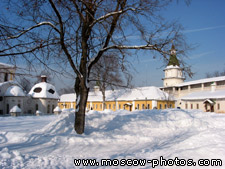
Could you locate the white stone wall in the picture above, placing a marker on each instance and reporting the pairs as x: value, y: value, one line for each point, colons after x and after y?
x: 219, y: 106
x: 14, y: 101
x: 173, y: 76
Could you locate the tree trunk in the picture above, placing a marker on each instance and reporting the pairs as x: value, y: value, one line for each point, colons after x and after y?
x: 81, y: 100
x: 103, y: 100
x: 103, y: 96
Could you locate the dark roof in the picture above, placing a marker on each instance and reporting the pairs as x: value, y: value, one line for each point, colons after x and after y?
x: 173, y: 58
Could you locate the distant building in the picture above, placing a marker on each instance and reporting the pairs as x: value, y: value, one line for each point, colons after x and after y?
x: 140, y: 98
x: 42, y: 97
x: 7, y: 72
x: 204, y: 94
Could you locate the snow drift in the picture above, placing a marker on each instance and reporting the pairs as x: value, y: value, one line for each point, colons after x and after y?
x: 122, y: 134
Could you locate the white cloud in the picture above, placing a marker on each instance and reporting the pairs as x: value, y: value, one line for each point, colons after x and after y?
x: 204, y: 29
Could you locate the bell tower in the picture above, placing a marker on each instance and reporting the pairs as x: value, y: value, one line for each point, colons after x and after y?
x: 173, y: 72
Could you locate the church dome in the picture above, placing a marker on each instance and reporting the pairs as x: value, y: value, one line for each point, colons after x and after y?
x: 44, y: 90
x: 14, y: 91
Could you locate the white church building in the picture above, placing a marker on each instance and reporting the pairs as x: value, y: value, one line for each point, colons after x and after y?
x: 205, y: 94
x: 43, y: 96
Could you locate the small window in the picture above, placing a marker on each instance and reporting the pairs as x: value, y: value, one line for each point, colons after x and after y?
x: 36, y: 107
x: 191, y: 106
x: 186, y: 106
x: 160, y: 106
x: 37, y: 90
x: 197, y: 106
x: 7, y: 109
x: 119, y: 106
x: 53, y: 106
x: 138, y: 106
x: 48, y: 109
x: 19, y: 105
x: 109, y: 106
x: 6, y: 77
x: 170, y: 105
x: 51, y: 91
x: 165, y: 106
x: 218, y: 106
x: 143, y: 106
x: 148, y: 106
x: 96, y: 106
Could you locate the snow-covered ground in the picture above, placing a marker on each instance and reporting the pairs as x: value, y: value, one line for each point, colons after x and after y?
x: 150, y: 138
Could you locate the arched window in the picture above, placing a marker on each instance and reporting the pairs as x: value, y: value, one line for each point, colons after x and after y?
x: 148, y: 106
x: 36, y: 107
x: 53, y: 106
x: 6, y: 77
x: 7, y: 109
x: 143, y: 106
x: 48, y: 111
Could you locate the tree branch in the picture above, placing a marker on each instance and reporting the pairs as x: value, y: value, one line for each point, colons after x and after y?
x: 69, y: 57
x: 35, y: 26
x: 109, y: 15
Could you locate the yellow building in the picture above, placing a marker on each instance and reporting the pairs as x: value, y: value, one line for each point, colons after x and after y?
x: 129, y: 99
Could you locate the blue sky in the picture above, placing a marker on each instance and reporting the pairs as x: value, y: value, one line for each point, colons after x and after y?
x: 204, y: 27
x: 204, y: 24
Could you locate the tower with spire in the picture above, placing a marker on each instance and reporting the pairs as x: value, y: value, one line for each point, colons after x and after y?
x: 173, y: 72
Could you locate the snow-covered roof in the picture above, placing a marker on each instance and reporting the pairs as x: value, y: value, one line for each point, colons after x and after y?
x: 140, y: 93
x: 172, y: 67
x: 10, y: 88
x: 6, y: 65
x: 71, y: 97
x: 219, y: 94
x: 44, y: 90
x: 14, y: 91
x: 200, y: 81
x: 15, y: 109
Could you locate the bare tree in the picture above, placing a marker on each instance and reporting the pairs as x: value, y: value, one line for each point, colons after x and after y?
x: 215, y: 74
x: 72, y: 35
x: 110, y: 72
x: 66, y: 90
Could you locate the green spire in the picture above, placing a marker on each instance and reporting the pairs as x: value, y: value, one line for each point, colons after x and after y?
x: 173, y: 58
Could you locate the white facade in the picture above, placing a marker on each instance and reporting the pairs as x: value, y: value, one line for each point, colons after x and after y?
x: 43, y: 97
x: 204, y: 94
x: 6, y: 72
x: 173, y: 76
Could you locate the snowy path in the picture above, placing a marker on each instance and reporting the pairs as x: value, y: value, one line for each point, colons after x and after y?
x: 50, y: 141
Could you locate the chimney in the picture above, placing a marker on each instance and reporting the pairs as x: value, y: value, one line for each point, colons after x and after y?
x: 44, y: 78
x: 213, y: 87
x: 96, y: 88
